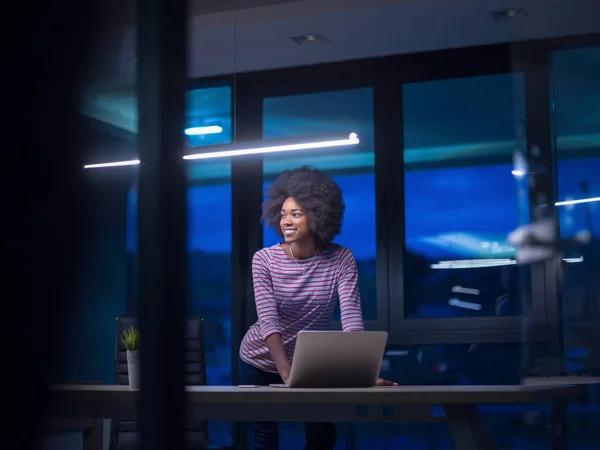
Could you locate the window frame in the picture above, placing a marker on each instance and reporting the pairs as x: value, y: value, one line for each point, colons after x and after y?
x: 298, y: 81
x: 497, y: 59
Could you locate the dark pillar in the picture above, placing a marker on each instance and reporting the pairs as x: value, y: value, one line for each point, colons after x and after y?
x: 162, y: 280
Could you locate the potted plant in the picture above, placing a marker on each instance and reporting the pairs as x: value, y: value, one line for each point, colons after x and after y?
x: 131, y: 340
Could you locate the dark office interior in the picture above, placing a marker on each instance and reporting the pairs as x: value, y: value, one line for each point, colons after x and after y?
x: 433, y: 191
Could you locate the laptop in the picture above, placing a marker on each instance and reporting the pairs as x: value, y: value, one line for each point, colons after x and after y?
x: 337, y: 359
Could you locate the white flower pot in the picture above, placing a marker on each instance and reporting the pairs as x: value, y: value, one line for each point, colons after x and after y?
x: 133, y: 368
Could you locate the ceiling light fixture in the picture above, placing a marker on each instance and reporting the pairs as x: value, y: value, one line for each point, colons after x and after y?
x: 311, y: 38
x: 275, y: 145
x: 508, y: 14
x: 482, y: 263
x: 133, y: 162
x: 255, y: 148
x: 577, y: 202
x: 197, y: 131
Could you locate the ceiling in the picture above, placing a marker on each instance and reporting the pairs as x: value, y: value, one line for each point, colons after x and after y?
x: 250, y: 35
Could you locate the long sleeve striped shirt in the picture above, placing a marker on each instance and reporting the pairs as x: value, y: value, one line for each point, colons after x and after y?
x: 294, y: 295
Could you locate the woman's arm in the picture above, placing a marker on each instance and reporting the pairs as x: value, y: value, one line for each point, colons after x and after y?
x: 266, y: 310
x: 275, y: 345
x: 348, y: 293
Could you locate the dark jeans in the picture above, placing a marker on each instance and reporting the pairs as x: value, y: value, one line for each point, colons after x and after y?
x: 319, y: 436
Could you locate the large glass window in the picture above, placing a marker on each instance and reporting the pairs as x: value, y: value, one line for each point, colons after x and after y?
x: 461, y: 200
x: 352, y: 167
x: 576, y: 99
x: 209, y: 267
x: 208, y: 112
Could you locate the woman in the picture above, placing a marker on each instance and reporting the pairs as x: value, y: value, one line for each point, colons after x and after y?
x: 296, y: 286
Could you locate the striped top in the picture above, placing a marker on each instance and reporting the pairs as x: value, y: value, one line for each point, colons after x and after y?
x: 294, y: 295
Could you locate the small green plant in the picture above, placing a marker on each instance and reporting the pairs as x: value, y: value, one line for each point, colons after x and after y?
x: 131, y: 338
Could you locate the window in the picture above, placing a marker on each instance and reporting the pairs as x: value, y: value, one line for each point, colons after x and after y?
x: 453, y: 364
x: 461, y: 200
x: 352, y: 167
x: 576, y: 97
x: 209, y: 268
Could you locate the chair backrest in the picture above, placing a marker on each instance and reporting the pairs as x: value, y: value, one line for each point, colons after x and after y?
x: 195, y: 368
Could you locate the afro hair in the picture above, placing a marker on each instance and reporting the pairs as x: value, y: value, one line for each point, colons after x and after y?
x: 319, y: 196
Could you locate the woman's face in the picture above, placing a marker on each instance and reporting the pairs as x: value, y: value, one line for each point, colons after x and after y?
x: 294, y: 225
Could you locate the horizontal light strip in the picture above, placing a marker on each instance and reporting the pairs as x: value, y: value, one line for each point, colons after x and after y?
x: 573, y: 260
x: 464, y: 290
x: 260, y: 147
x: 197, y: 131
x: 473, y: 263
x: 133, y: 162
x: 480, y: 263
x: 576, y: 202
x: 253, y: 148
x: 466, y: 305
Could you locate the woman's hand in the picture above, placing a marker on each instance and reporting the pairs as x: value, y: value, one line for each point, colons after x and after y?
x: 382, y: 382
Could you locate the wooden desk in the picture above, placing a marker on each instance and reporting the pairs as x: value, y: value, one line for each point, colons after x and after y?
x: 377, y: 404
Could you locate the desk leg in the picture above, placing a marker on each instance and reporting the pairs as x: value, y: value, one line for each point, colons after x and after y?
x: 92, y: 430
x: 93, y: 436
x: 240, y: 431
x: 467, y: 427
x: 557, y: 431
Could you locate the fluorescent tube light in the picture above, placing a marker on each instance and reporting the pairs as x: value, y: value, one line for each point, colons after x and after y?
x: 482, y: 263
x: 576, y: 202
x: 133, y: 162
x: 197, y: 131
x: 466, y: 305
x: 257, y: 147
x: 473, y: 263
x: 273, y: 146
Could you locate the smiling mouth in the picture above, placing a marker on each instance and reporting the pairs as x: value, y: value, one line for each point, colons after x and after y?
x: 289, y: 231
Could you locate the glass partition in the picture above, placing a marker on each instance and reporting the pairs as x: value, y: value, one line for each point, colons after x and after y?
x: 106, y: 131
x: 105, y: 128
x: 575, y: 93
x: 208, y: 122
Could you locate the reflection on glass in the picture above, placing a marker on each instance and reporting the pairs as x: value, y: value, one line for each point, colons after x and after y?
x: 209, y: 268
x: 461, y: 199
x: 106, y: 127
x: 352, y: 167
x: 576, y: 97
x: 208, y: 116
x: 453, y: 364
x: 209, y: 229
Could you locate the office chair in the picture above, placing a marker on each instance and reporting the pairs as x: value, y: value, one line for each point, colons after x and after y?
x: 125, y: 434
